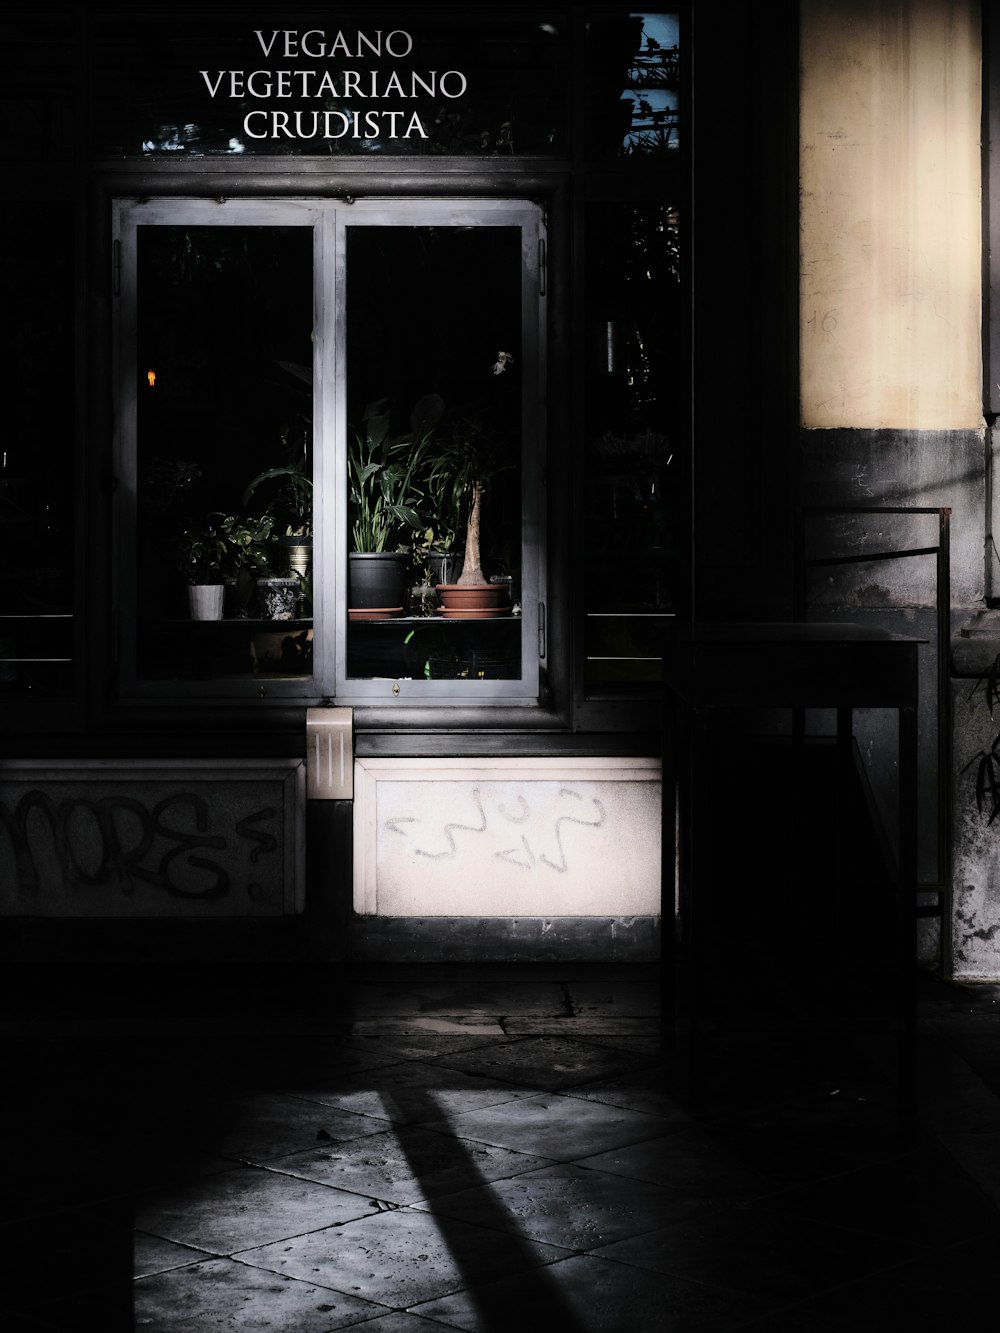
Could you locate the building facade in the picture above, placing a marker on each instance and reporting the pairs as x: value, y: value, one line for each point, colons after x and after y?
x: 656, y: 315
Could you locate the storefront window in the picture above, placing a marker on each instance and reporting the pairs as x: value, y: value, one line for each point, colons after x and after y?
x: 313, y: 393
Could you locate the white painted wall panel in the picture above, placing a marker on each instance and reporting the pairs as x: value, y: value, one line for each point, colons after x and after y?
x: 507, y: 837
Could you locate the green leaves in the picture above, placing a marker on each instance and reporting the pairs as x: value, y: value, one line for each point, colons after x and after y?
x: 385, y: 493
x: 291, y: 500
x: 226, y: 546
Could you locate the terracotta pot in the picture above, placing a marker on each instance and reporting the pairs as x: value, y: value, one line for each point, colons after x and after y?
x: 473, y: 597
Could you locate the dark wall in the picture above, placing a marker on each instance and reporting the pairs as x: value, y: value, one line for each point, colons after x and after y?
x: 745, y: 316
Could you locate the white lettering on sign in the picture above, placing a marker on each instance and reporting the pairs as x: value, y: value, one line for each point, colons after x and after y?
x: 315, y: 46
x: 343, y: 85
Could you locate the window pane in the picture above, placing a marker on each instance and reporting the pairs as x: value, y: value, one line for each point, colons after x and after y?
x: 481, y: 84
x: 224, y: 428
x: 433, y: 363
x: 633, y: 85
x: 635, y: 399
x: 36, y: 453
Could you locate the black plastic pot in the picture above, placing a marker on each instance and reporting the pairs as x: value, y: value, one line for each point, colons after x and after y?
x: 378, y: 579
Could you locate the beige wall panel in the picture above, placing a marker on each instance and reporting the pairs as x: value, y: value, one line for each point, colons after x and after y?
x: 507, y: 837
x: 890, y: 214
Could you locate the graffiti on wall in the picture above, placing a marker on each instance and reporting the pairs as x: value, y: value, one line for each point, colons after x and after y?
x: 509, y: 839
x: 160, y: 847
x: 532, y: 834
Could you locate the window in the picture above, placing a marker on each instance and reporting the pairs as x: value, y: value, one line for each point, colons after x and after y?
x: 634, y: 461
x: 310, y: 390
x: 38, y: 630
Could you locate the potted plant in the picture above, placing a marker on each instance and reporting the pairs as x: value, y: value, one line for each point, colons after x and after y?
x: 224, y: 549
x: 201, y: 559
x: 290, y: 509
x: 385, y: 493
x: 249, y: 554
x: 465, y: 462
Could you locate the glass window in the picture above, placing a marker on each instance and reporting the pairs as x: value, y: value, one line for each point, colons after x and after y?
x: 343, y: 83
x: 222, y: 367
x: 313, y: 394
x: 441, y: 375
x: 633, y: 85
x: 37, y: 457
x: 434, y: 444
x: 634, y: 418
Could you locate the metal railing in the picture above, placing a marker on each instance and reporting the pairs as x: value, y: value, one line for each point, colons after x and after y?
x: 942, y: 603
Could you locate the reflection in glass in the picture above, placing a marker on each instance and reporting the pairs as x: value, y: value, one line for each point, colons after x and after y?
x: 434, y: 445
x: 223, y: 374
x: 633, y: 85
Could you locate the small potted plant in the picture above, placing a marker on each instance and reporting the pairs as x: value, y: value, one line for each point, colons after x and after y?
x: 249, y: 554
x: 201, y: 558
x: 385, y: 499
x: 226, y: 550
x: 290, y: 509
x: 465, y: 462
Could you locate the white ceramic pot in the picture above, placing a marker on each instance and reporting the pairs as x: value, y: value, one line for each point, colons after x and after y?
x: 205, y: 600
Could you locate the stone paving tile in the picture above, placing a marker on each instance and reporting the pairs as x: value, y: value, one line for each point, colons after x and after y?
x: 245, y: 1207
x: 269, y: 1125
x: 902, y: 1202
x: 407, y: 1164
x: 582, y: 1026
x: 401, y: 1040
x: 401, y: 1322
x: 403, y: 1257
x: 225, y: 1294
x: 153, y: 1254
x: 587, y: 1295
x: 638, y: 1090
x: 415, y: 1092
x: 448, y: 1029
x: 544, y: 1062
x: 332, y: 1059
x: 643, y: 1048
x: 802, y: 1319
x: 789, y: 1151
x: 564, y: 1205
x: 614, y: 997
x: 556, y: 1126
x: 951, y: 1287
x: 684, y: 1160
x: 462, y: 994
x: 755, y: 1251
x: 979, y: 1154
